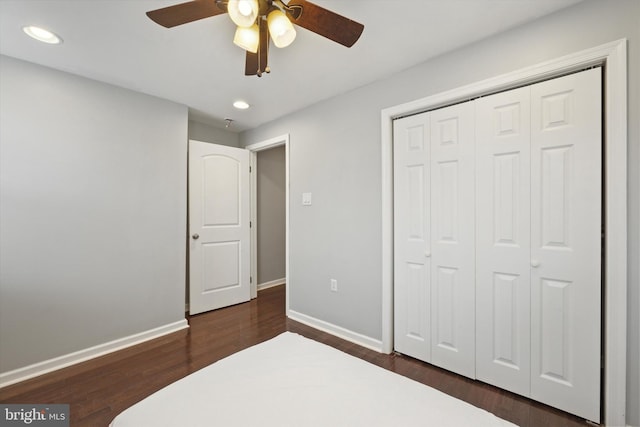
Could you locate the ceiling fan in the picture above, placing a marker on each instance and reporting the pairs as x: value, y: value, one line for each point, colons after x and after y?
x: 259, y: 19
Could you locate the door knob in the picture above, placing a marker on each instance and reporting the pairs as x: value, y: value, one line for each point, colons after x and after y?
x: 427, y: 254
x: 535, y: 263
x: 196, y: 236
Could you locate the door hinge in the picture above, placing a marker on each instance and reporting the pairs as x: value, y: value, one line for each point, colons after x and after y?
x: 250, y: 224
x: 250, y: 279
x: 249, y: 169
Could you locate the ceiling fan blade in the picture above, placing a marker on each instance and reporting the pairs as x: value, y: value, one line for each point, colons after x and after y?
x: 184, y: 13
x: 256, y: 63
x: 325, y: 22
x: 251, y: 64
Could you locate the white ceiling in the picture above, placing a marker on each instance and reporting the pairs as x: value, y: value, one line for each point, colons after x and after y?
x: 197, y: 64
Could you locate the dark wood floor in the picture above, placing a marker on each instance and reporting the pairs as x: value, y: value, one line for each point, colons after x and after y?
x: 100, y: 389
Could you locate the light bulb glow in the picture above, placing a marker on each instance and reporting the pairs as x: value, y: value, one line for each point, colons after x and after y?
x: 41, y: 34
x: 243, y: 12
x: 244, y: 7
x: 280, y: 28
x: 241, y: 105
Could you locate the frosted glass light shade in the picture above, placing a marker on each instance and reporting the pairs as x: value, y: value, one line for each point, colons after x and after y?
x: 280, y: 28
x: 243, y: 12
x: 248, y: 38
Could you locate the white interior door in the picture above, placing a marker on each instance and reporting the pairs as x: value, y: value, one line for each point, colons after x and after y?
x: 412, y: 237
x: 566, y: 191
x: 219, y: 211
x: 453, y: 239
x: 503, y: 240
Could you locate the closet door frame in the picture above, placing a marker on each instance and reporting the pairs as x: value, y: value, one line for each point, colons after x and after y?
x: 613, y: 56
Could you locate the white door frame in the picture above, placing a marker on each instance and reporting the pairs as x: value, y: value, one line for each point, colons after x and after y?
x: 253, y: 151
x: 614, y: 57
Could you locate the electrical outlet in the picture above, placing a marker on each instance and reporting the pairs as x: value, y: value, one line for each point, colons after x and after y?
x: 334, y: 285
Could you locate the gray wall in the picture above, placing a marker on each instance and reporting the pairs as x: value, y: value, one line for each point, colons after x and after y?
x: 93, y: 213
x: 271, y: 195
x: 199, y: 131
x: 335, y: 154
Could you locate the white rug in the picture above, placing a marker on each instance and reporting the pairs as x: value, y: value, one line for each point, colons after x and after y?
x: 294, y: 381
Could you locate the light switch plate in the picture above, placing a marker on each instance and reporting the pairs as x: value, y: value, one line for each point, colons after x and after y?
x: 306, y: 199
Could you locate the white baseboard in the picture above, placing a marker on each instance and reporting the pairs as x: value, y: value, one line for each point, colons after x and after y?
x: 271, y: 284
x: 40, y: 368
x: 354, y: 337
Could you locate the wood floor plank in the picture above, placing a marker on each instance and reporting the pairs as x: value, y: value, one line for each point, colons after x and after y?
x: 100, y: 389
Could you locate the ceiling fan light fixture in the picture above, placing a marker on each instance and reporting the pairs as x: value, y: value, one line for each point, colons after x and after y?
x: 243, y: 12
x: 247, y: 38
x: 280, y: 28
x: 258, y: 21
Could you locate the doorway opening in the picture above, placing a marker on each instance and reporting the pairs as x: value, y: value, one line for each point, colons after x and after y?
x: 270, y: 214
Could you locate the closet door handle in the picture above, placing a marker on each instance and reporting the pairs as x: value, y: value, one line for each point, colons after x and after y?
x: 535, y: 263
x: 195, y: 236
x: 427, y: 254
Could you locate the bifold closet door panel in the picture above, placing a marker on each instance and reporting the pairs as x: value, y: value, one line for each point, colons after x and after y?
x: 453, y: 239
x: 503, y: 240
x: 412, y: 237
x: 566, y: 197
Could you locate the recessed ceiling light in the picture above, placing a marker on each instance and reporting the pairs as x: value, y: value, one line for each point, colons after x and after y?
x: 41, y: 34
x: 241, y: 105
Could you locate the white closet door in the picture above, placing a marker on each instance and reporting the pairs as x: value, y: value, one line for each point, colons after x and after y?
x: 453, y: 239
x: 412, y: 269
x: 566, y: 242
x: 503, y: 240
